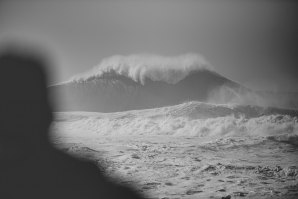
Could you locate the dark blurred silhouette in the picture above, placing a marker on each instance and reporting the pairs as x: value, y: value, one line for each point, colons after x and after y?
x: 29, y: 166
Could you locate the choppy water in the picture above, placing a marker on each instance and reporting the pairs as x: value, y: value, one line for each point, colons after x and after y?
x: 188, y: 119
x: 191, y: 150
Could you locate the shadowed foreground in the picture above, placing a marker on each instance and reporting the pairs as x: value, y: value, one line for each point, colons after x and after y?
x: 29, y: 166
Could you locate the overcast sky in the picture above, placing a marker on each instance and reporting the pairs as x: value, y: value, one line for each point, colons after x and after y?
x: 252, y: 42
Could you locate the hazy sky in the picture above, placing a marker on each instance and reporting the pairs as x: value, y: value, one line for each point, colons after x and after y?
x: 251, y: 42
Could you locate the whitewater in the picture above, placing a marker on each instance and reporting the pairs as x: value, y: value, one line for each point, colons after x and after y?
x: 190, y: 150
x: 188, y: 119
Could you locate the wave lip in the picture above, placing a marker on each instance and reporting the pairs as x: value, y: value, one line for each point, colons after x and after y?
x: 140, y: 67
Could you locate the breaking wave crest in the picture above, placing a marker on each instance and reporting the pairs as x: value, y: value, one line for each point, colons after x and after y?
x: 138, y: 67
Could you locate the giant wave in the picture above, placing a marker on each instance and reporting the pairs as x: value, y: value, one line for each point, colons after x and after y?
x: 134, y: 82
x: 138, y: 82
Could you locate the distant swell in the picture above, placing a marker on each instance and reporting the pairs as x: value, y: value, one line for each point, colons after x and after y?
x: 138, y: 67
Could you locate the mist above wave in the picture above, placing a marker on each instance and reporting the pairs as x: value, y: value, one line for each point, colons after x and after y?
x: 138, y: 67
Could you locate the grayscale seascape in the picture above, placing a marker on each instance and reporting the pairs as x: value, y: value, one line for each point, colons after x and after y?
x: 179, y: 99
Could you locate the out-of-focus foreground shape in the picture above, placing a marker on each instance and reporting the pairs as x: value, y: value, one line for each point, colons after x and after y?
x: 29, y: 166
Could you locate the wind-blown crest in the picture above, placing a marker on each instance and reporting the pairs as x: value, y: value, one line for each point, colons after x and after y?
x: 138, y: 67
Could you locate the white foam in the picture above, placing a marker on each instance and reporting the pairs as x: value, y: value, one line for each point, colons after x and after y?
x: 188, y: 119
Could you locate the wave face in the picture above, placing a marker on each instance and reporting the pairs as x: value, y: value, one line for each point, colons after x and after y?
x: 138, y: 82
x: 187, y: 119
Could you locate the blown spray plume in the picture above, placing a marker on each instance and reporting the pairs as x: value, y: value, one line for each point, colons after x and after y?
x: 141, y: 66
